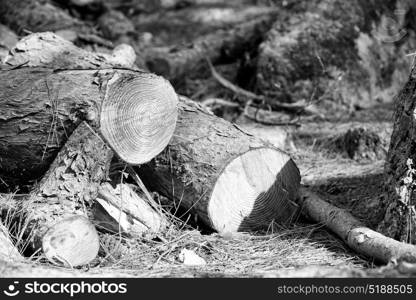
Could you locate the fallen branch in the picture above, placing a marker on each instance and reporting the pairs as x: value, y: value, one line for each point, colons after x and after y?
x: 269, y: 118
x: 353, y: 232
x: 47, y: 49
x: 55, y: 212
x: 299, y: 107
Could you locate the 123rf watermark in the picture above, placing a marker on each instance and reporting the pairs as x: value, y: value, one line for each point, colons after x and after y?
x: 71, y: 289
x: 366, y: 289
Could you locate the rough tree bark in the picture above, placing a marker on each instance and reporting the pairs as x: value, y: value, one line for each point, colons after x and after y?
x: 231, y: 180
x: 55, y: 212
x: 46, y: 49
x: 135, y: 112
x: 400, y: 200
x: 353, y: 232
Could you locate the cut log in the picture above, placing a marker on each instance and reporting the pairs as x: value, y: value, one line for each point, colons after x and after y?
x: 122, y: 210
x: 399, y: 205
x: 71, y: 242
x: 36, y: 16
x: 356, y: 235
x: 135, y: 112
x: 54, y: 213
x: 228, y: 178
x: 8, y: 251
x: 47, y: 49
x: 223, y: 45
x: 170, y: 27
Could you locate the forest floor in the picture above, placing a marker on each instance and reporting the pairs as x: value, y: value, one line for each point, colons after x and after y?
x: 340, y: 153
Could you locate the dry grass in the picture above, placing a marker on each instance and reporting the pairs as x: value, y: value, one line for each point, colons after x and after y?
x: 237, y: 254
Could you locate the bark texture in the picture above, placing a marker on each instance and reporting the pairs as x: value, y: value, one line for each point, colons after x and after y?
x: 67, y: 191
x: 206, y: 149
x: 400, y: 200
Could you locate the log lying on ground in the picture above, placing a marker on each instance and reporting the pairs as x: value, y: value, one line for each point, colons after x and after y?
x: 7, y: 40
x: 184, y: 25
x: 47, y: 49
x: 8, y: 251
x: 204, y: 16
x: 36, y: 16
x: 136, y: 6
x: 353, y: 232
x: 55, y: 211
x: 228, y: 178
x: 223, y: 45
x: 122, y: 210
x: 135, y: 112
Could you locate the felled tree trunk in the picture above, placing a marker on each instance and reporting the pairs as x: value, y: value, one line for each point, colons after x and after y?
x: 135, y: 112
x: 400, y: 201
x: 223, y: 45
x: 228, y: 178
x: 47, y: 49
x: 55, y: 212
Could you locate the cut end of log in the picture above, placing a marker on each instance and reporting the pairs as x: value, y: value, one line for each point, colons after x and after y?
x: 71, y: 242
x: 255, y: 190
x: 138, y: 116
